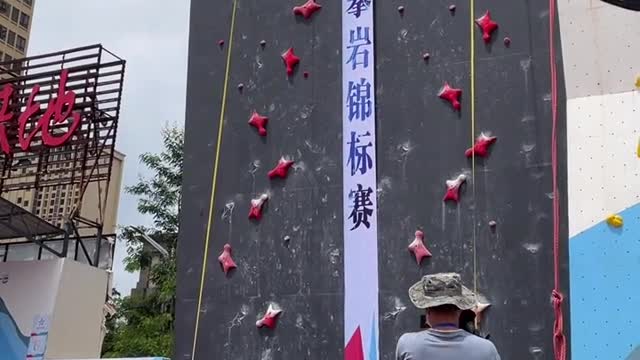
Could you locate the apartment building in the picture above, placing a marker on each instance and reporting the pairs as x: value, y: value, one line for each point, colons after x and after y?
x: 15, y: 28
x: 55, y: 203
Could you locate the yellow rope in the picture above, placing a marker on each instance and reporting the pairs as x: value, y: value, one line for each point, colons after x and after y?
x: 472, y: 74
x: 214, y: 180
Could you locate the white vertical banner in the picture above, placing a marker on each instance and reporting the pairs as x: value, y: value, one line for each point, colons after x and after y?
x: 359, y: 181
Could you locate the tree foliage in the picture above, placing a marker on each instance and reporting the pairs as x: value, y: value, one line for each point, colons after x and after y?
x: 140, y: 328
x: 143, y: 323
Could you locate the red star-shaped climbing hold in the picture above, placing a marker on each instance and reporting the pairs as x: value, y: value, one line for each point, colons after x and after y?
x: 259, y: 122
x: 281, y: 170
x: 270, y: 318
x: 225, y: 259
x: 308, y: 9
x: 482, y: 145
x: 453, y: 188
x: 418, y: 249
x: 256, y: 207
x: 290, y: 61
x: 450, y: 94
x: 487, y: 25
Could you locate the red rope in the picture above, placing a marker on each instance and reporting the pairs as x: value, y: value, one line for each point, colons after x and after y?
x: 559, y: 340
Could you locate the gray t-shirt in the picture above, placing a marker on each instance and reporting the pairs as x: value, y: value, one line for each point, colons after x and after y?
x: 439, y: 345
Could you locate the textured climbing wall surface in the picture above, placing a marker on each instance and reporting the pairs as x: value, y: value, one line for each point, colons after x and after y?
x: 292, y: 257
x: 604, y: 173
x: 604, y: 168
x: 423, y: 143
x: 601, y: 45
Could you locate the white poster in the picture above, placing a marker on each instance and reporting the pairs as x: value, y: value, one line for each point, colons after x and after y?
x: 359, y: 181
x: 27, y: 297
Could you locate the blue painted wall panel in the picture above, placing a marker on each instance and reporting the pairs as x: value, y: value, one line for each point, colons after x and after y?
x: 605, y: 291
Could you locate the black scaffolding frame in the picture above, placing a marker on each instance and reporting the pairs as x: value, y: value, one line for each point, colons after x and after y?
x: 96, y: 77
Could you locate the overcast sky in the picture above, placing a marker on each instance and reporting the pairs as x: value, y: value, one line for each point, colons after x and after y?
x: 151, y: 35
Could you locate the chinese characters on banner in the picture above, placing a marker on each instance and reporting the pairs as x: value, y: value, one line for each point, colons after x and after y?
x: 359, y: 181
x: 32, y: 121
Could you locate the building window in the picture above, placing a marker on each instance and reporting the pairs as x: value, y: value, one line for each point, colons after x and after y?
x: 11, y: 39
x: 39, y: 204
x: 7, y: 57
x: 4, y: 8
x: 62, y: 202
x: 39, y: 196
x: 28, y: 2
x: 19, y: 200
x: 21, y: 43
x: 24, y: 20
x: 15, y: 14
x: 45, y: 203
x: 3, y: 33
x: 26, y: 203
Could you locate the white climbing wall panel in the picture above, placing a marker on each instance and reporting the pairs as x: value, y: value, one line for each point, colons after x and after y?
x: 603, y: 167
x: 600, y: 46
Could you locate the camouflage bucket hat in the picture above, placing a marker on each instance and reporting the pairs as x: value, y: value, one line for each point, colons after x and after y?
x: 442, y: 289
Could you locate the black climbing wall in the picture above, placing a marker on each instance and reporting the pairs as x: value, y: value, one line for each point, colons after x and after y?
x: 294, y: 255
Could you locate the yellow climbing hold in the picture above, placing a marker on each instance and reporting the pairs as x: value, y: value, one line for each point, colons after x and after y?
x: 638, y: 149
x: 615, y: 220
x: 638, y: 82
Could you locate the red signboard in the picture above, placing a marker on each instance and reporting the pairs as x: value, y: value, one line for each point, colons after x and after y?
x: 59, y: 116
x: 59, y: 111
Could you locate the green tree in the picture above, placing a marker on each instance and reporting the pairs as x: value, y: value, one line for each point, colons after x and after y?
x: 143, y: 323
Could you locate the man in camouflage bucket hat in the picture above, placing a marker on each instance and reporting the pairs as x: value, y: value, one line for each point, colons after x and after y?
x: 444, y: 297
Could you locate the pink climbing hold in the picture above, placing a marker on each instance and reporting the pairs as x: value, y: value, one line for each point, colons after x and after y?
x: 452, y: 8
x: 401, y: 10
x: 308, y: 9
x: 418, y: 249
x: 281, y: 170
x: 451, y: 94
x: 507, y: 41
x: 225, y: 259
x: 256, y: 207
x: 270, y: 318
x: 487, y: 25
x: 290, y: 61
x: 426, y: 56
x: 305, y: 74
x: 259, y: 122
x: 221, y: 43
x: 482, y: 145
x: 479, y: 309
x: 453, y: 188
